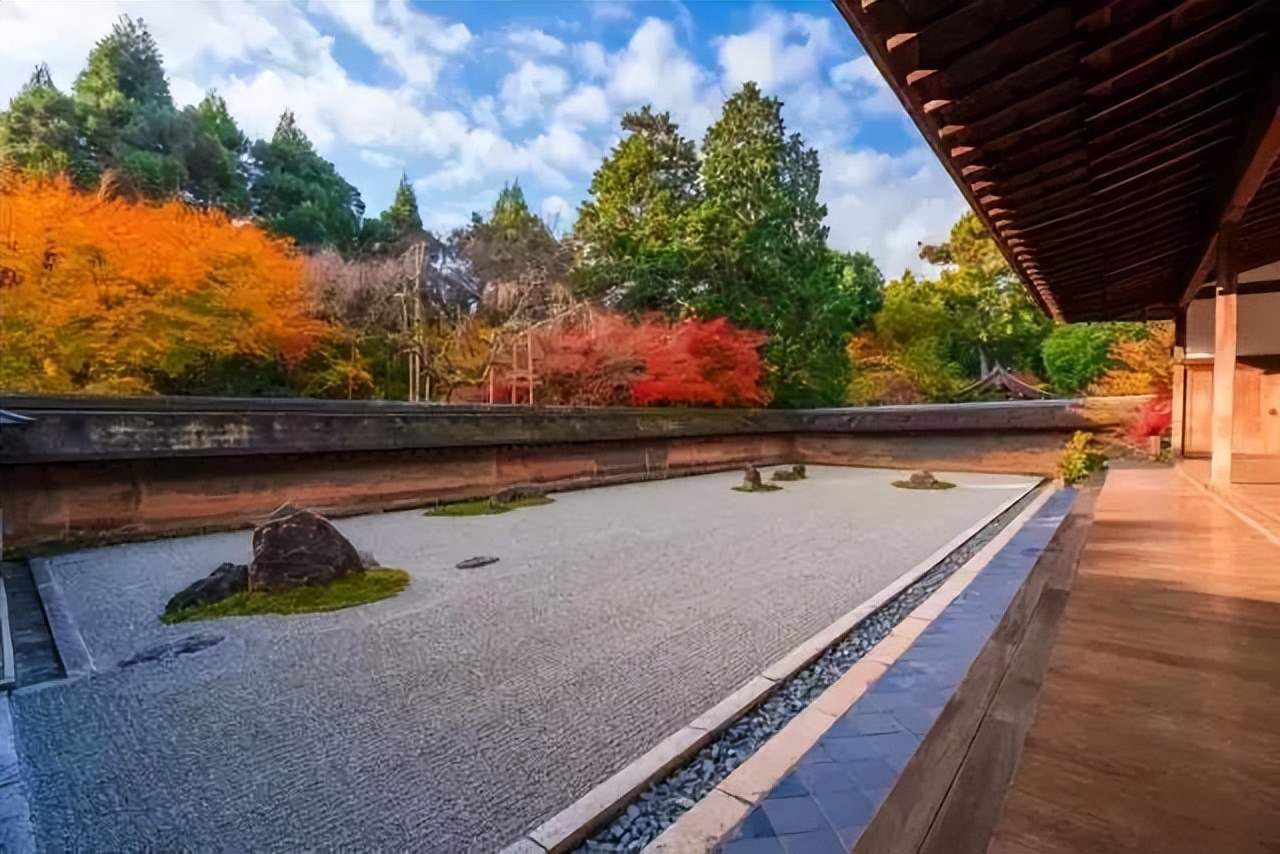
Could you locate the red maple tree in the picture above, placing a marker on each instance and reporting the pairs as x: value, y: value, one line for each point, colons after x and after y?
x: 610, y: 360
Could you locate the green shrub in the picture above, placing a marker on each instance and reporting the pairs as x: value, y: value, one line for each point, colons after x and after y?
x: 1077, y: 354
x: 1080, y: 457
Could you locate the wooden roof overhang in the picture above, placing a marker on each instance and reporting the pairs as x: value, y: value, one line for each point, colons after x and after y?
x: 1105, y: 143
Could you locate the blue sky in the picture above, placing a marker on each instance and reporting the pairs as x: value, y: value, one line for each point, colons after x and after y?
x: 464, y: 96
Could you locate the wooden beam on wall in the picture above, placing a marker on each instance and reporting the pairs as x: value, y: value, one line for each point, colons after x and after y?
x: 1179, y: 404
x: 1261, y: 144
x: 1224, y: 357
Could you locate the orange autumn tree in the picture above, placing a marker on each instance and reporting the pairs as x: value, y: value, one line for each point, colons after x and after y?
x: 104, y: 295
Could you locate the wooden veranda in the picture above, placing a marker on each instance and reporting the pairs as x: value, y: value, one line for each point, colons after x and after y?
x: 1123, y: 154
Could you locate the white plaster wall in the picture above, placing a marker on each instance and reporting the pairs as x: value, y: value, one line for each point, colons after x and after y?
x: 1257, y: 325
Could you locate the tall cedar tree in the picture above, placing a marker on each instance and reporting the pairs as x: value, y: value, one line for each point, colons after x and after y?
x: 127, y: 115
x: 763, y: 248
x: 631, y: 233
x: 217, y: 162
x: 299, y: 194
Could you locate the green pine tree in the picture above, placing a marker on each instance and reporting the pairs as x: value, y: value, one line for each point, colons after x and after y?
x: 632, y: 233
x: 127, y: 114
x: 298, y: 193
x: 40, y: 133
x: 402, y: 217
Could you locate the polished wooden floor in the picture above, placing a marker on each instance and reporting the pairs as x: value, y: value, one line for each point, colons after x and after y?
x: 1158, y: 726
x: 1260, y: 500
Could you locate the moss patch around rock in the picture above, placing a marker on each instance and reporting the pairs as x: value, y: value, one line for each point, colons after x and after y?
x: 358, y: 588
x: 764, y: 487
x: 485, y: 507
x: 938, y: 484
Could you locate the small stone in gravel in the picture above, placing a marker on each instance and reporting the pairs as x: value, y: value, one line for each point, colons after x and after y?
x: 476, y: 562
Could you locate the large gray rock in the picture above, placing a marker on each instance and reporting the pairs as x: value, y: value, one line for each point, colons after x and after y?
x: 224, y: 581
x: 923, y: 479
x: 299, y: 549
x: 518, y: 492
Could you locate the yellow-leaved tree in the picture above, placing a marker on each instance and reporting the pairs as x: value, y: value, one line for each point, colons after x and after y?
x: 103, y: 295
x: 1139, y: 366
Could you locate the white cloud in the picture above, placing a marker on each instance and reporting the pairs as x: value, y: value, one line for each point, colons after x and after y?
x: 382, y: 161
x: 781, y: 50
x: 860, y: 78
x: 409, y: 42
x: 886, y: 204
x: 591, y: 58
x: 558, y: 212
x: 609, y: 10
x: 483, y: 155
x: 527, y: 91
x: 586, y: 106
x: 536, y: 41
x: 484, y: 112
x: 653, y: 69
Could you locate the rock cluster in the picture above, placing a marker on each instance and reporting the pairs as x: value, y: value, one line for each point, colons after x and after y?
x: 795, y: 472
x: 519, y: 492
x: 752, y: 482
x: 293, y: 548
x: 922, y: 479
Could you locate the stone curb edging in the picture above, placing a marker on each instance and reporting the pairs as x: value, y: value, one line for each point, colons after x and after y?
x: 67, y: 640
x: 699, y: 829
x: 568, y: 828
x: 7, y: 673
x: 16, y: 831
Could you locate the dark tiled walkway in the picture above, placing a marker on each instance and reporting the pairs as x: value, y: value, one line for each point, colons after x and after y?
x: 828, y: 799
x: 35, y: 659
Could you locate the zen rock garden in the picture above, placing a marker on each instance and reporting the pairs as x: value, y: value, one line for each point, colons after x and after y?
x: 437, y: 694
x: 301, y: 563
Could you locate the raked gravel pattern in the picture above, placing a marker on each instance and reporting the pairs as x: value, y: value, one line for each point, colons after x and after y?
x: 662, y: 804
x: 477, y: 703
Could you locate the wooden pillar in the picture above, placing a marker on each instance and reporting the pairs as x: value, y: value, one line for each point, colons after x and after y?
x: 1178, y: 405
x: 1224, y: 357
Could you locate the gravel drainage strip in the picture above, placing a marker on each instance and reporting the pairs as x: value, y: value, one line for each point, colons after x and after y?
x: 662, y: 803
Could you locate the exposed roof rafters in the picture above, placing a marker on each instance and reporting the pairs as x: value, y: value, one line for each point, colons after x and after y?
x: 1103, y: 142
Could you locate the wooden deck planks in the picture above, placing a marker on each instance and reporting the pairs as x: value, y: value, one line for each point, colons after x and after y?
x: 1158, y: 727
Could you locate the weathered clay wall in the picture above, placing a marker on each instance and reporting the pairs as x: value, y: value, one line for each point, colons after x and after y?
x: 107, y: 470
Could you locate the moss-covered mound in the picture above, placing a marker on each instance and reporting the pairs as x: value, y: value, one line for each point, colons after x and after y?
x: 358, y: 588
x: 487, y: 506
x: 910, y: 484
